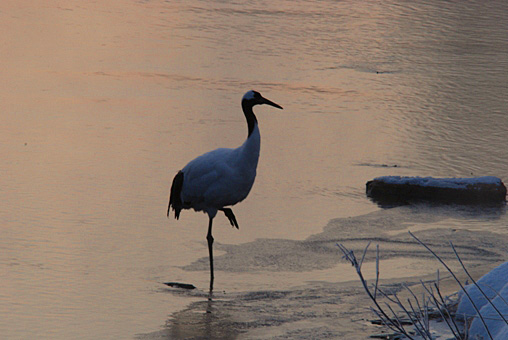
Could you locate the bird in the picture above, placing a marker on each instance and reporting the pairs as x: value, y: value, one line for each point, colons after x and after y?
x: 220, y: 178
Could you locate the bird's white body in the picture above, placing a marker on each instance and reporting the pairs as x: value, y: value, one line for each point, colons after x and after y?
x: 222, y: 177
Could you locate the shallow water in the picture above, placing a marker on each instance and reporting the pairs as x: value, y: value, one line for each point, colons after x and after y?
x: 102, y: 103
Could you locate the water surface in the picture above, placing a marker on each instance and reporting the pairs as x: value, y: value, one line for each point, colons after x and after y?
x: 102, y: 103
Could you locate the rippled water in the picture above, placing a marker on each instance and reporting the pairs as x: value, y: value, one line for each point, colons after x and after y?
x: 102, y: 103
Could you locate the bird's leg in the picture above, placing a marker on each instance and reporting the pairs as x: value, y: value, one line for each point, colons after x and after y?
x: 209, y: 238
x: 232, y: 219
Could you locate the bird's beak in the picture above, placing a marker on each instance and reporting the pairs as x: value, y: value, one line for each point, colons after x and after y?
x: 269, y: 102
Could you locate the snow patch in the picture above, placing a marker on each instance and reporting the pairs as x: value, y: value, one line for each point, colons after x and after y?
x: 452, y: 183
x: 495, y: 285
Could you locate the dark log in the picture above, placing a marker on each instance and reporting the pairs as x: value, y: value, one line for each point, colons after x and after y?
x: 478, y: 190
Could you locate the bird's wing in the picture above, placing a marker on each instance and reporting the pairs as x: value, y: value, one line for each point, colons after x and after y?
x: 206, y: 178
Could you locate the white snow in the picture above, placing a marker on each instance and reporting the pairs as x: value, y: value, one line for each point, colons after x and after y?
x: 452, y: 183
x: 495, y: 285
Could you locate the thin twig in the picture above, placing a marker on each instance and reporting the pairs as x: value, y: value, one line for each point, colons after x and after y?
x: 438, y: 307
x: 349, y: 255
x: 363, y: 256
x: 414, y: 322
x: 426, y: 317
x: 399, y: 323
x: 420, y: 325
x: 497, y: 294
x: 425, y: 327
x: 449, y: 316
x: 377, y: 271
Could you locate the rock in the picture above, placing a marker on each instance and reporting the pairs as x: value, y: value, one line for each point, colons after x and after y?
x: 477, y: 190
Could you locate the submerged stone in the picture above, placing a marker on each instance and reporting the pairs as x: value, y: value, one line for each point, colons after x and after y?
x: 180, y: 285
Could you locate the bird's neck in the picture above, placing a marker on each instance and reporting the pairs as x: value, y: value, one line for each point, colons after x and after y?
x: 249, y: 150
x: 252, y: 122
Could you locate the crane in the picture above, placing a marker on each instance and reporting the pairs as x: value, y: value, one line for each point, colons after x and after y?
x: 220, y: 178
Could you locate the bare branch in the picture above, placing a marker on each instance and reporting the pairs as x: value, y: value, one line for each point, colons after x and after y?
x: 363, y: 256
x: 377, y: 270
x: 457, y: 280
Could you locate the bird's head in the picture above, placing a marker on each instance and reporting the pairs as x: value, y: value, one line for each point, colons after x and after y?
x: 252, y: 98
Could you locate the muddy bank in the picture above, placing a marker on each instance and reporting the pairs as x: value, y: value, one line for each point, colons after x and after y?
x: 334, y: 308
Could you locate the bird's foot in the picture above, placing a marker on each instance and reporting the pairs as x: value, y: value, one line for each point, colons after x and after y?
x: 232, y: 219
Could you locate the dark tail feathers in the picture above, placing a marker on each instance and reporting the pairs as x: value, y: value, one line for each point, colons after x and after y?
x: 175, y: 200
